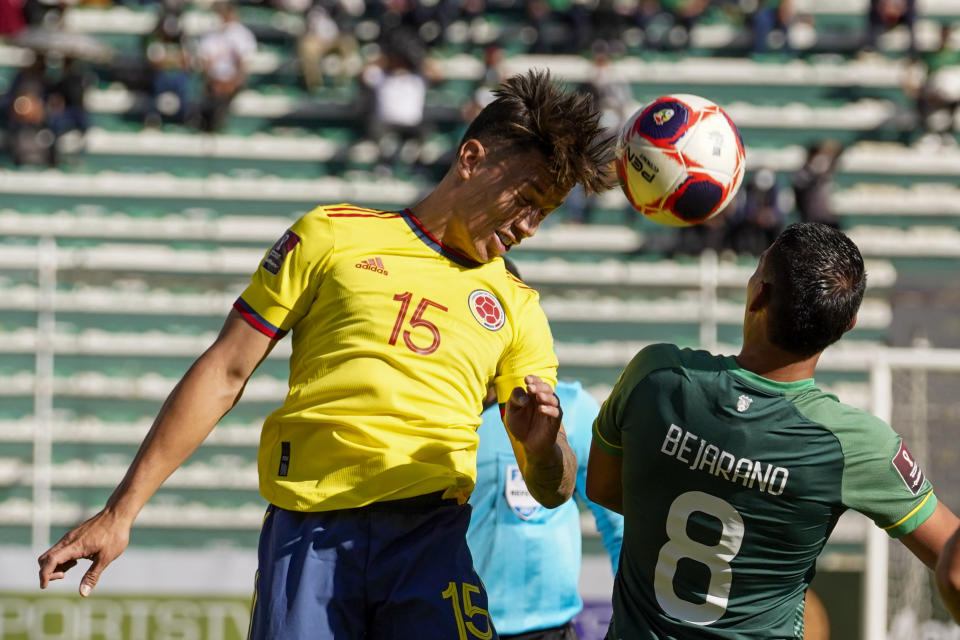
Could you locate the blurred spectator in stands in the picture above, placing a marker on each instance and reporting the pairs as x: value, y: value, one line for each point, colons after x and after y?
x: 169, y: 68
x: 405, y: 16
x: 685, y: 14
x: 613, y: 18
x: 29, y: 139
x: 535, y: 34
x: 482, y: 93
x: 937, y: 90
x: 654, y: 22
x: 396, y: 88
x: 813, y: 183
x: 695, y: 239
x: 582, y: 16
x: 65, y: 102
x: 757, y: 217
x: 35, y: 12
x: 12, y: 18
x: 770, y: 25
x: 224, y: 57
x: 614, y: 99
x: 884, y: 15
x: 321, y: 38
x: 613, y: 94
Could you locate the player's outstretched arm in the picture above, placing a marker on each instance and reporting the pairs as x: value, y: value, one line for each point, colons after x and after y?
x: 547, y: 462
x: 948, y: 575
x: 205, y: 393
x: 935, y: 543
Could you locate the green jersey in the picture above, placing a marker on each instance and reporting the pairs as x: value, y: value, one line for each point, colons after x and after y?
x: 732, y: 484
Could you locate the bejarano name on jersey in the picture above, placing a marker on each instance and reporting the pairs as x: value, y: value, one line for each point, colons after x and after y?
x: 709, y: 458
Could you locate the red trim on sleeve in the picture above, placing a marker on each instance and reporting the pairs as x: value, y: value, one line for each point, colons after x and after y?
x: 256, y: 320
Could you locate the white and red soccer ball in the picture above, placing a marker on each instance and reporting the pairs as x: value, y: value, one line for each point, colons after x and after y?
x: 680, y: 160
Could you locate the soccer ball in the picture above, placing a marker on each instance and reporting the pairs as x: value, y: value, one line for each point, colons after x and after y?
x: 680, y: 160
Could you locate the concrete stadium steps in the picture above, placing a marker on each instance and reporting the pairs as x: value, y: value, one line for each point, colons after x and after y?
x: 913, y: 217
x: 817, y: 97
x: 226, y: 474
x: 268, y: 393
x: 199, y: 19
x: 723, y: 79
x: 196, y: 515
x: 90, y: 429
x: 799, y: 121
x: 836, y: 27
x: 569, y: 318
x: 915, y: 242
x: 130, y: 258
x: 118, y: 191
x: 91, y: 382
x: 313, y: 156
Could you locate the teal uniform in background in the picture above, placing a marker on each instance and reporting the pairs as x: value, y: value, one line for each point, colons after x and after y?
x: 528, y: 556
x: 732, y: 484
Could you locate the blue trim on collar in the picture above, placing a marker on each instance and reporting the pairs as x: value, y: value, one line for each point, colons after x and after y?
x: 435, y: 244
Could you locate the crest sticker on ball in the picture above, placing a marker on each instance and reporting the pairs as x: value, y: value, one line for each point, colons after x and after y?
x: 487, y: 309
x: 663, y: 116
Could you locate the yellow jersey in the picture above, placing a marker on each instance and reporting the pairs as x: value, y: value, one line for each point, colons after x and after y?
x: 396, y: 339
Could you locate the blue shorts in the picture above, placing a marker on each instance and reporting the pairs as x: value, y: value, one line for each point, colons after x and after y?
x: 391, y: 570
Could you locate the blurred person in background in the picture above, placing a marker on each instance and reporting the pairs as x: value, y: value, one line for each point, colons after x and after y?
x: 884, y: 15
x: 813, y: 183
x: 29, y: 137
x: 527, y: 556
x: 67, y: 110
x: 395, y: 90
x: 770, y: 25
x: 711, y: 234
x: 757, y: 218
x: 685, y: 14
x: 482, y: 93
x: 323, y: 36
x: 937, y: 91
x: 168, y: 67
x: 614, y: 98
x: 224, y: 56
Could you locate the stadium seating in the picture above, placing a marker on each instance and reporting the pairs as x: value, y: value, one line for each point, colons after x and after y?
x: 117, y: 268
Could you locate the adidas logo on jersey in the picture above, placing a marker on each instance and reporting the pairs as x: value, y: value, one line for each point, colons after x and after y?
x: 372, y: 264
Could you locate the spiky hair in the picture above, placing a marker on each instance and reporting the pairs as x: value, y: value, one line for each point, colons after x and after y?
x: 532, y: 111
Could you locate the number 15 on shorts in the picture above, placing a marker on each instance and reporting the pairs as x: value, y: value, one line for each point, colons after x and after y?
x: 465, y: 612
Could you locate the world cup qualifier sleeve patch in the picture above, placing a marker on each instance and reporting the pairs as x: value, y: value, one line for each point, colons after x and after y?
x: 909, y: 468
x: 278, y: 253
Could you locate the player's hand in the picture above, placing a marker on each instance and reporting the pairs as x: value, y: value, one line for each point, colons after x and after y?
x: 100, y: 539
x: 533, y: 416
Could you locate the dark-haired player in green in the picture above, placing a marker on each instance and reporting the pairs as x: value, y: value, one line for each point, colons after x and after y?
x: 731, y: 472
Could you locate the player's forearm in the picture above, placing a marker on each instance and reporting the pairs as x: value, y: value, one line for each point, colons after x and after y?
x: 206, y: 392
x: 550, y: 476
x: 948, y: 575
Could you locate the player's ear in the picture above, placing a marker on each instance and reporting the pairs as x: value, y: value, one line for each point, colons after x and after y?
x: 472, y: 153
x: 760, y: 297
x: 852, y: 324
